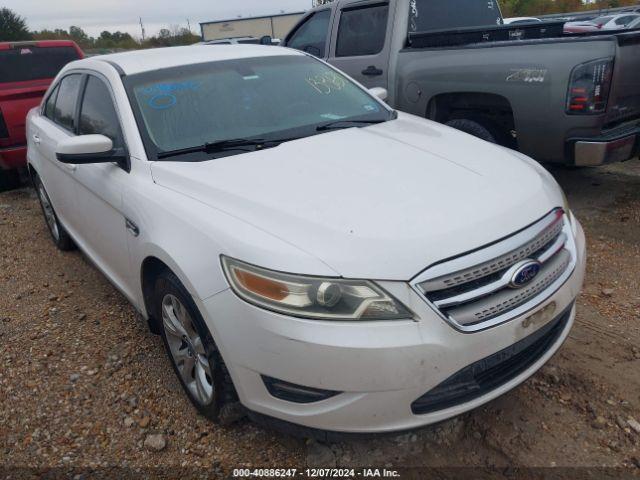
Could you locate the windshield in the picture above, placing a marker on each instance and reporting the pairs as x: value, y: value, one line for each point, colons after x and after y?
x: 271, y: 98
x: 30, y: 62
x: 425, y: 15
x: 601, y: 20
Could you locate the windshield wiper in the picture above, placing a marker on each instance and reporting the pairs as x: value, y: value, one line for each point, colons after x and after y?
x: 340, y: 124
x: 217, y: 146
x: 227, y: 145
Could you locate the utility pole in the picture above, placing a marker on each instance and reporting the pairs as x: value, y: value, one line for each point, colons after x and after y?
x: 189, y: 25
x: 142, y: 28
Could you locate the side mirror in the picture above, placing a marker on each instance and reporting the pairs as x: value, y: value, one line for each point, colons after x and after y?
x: 266, y: 40
x: 380, y: 93
x: 87, y: 149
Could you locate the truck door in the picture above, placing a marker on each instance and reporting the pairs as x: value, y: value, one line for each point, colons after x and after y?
x: 361, y: 42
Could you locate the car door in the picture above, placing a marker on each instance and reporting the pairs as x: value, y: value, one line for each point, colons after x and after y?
x: 57, y: 122
x: 100, y: 187
x: 311, y: 35
x: 361, y: 42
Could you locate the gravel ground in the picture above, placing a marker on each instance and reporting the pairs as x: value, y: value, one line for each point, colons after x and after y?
x: 84, y: 385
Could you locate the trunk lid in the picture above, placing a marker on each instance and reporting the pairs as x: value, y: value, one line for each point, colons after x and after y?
x: 15, y: 102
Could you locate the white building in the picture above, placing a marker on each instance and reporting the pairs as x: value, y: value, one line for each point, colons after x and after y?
x: 277, y: 26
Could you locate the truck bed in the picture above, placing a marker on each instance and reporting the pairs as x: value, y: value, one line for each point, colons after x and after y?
x: 548, y: 32
x: 530, y: 77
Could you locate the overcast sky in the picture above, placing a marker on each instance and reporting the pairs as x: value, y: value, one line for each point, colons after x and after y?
x: 94, y: 16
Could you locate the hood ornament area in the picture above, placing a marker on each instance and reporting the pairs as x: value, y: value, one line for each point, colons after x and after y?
x: 525, y: 273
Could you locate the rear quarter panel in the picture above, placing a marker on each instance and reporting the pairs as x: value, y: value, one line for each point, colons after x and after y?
x: 533, y: 76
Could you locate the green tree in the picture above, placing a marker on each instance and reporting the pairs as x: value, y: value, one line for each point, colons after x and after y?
x: 12, y: 26
x: 79, y: 36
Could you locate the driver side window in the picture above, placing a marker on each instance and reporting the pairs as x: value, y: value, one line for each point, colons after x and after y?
x: 311, y: 36
x: 98, y: 114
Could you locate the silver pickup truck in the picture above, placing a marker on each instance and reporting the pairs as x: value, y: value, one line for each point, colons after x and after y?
x: 572, y: 99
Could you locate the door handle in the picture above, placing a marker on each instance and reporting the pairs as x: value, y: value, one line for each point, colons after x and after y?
x: 372, y: 71
x: 36, y: 139
x: 71, y: 167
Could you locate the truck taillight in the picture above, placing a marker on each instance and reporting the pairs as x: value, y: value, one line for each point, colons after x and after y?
x: 589, y: 87
x: 4, y: 133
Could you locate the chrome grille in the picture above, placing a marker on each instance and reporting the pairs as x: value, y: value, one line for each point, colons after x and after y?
x: 476, y: 291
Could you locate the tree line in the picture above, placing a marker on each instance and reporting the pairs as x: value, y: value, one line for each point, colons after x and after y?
x: 13, y: 27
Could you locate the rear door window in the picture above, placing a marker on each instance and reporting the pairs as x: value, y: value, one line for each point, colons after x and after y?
x: 311, y: 36
x: 49, y: 109
x: 362, y: 31
x: 24, y: 63
x: 622, y: 21
x: 65, y: 109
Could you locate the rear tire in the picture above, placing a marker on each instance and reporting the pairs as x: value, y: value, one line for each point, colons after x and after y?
x: 192, y: 351
x: 9, y: 180
x: 58, y: 233
x: 474, y: 128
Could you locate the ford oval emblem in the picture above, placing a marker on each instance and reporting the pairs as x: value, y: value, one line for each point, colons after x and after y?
x: 525, y: 273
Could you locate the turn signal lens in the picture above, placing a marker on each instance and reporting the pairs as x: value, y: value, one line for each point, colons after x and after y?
x: 262, y: 286
x: 589, y: 87
x: 312, y: 297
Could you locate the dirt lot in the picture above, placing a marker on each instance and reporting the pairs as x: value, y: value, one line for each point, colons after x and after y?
x: 83, y: 383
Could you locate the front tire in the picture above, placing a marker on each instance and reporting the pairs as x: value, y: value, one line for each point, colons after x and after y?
x: 193, y: 353
x: 59, y: 235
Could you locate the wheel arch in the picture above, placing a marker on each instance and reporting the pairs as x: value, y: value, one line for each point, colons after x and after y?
x: 32, y: 172
x: 496, y: 109
x: 155, y: 262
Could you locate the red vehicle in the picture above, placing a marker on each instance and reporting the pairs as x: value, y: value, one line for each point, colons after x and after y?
x: 26, y: 71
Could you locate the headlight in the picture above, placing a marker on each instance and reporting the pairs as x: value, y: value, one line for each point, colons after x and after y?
x: 312, y: 297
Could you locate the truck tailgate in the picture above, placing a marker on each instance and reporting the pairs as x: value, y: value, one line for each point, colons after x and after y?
x: 624, y: 101
x: 15, y: 103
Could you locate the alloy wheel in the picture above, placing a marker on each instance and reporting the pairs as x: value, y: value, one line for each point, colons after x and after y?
x: 187, y: 349
x: 49, y: 214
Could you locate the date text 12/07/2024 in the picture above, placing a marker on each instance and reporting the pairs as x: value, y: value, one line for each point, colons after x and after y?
x: 316, y: 473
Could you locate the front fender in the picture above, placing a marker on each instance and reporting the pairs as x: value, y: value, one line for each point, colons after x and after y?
x: 189, y: 237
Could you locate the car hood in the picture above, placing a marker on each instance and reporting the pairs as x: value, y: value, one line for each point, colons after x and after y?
x: 382, y: 202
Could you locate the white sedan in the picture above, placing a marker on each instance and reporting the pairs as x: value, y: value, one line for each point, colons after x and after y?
x: 308, y: 254
x: 607, y: 22
x: 521, y: 20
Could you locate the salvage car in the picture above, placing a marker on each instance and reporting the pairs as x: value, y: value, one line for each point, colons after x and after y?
x: 307, y: 253
x: 26, y: 71
x: 573, y: 100
x: 609, y: 22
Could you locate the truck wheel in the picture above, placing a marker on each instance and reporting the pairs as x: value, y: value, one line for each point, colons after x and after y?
x: 60, y: 236
x: 472, y: 128
x: 193, y: 353
x: 9, y: 180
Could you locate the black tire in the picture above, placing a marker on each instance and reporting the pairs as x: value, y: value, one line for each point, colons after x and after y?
x: 58, y: 233
x: 224, y: 400
x: 9, y: 180
x: 474, y: 128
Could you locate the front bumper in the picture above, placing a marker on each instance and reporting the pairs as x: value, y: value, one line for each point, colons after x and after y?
x: 617, y: 146
x: 13, y: 157
x: 381, y: 369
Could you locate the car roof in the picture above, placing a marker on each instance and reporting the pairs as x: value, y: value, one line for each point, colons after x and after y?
x: 140, y: 61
